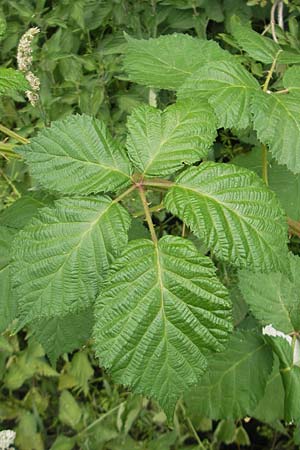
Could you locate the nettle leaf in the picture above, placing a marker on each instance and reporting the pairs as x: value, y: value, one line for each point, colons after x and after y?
x: 167, y: 61
x: 277, y: 122
x: 291, y: 79
x: 260, y: 48
x: 77, y: 156
x: 274, y: 298
x: 235, y: 380
x: 62, y: 255
x: 228, y: 86
x: 8, y: 305
x: 11, y: 81
x: 158, y: 314
x: 159, y: 143
x: 60, y: 335
x: 234, y: 213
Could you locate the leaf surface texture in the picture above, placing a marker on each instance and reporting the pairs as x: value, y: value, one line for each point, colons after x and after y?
x: 160, y: 312
x: 230, y: 208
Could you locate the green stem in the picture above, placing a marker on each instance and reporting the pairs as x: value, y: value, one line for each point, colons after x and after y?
x: 10, y: 183
x: 147, y: 214
x: 264, y: 147
x: 100, y: 419
x: 13, y: 135
x: 124, y: 194
x: 165, y: 184
x: 191, y: 427
x: 271, y: 71
x: 6, y: 150
x: 153, y: 209
x: 265, y: 164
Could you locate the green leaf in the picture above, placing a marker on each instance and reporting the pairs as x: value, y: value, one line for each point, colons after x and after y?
x: 159, y: 313
x: 8, y: 305
x: 69, y: 410
x: 235, y: 380
x: 291, y: 79
x: 290, y: 375
x: 77, y: 156
x: 63, y: 254
x: 284, y: 183
x: 167, y: 61
x: 277, y: 122
x: 271, y: 406
x: 228, y: 87
x: 231, y: 209
x: 18, y: 214
x: 60, y: 335
x: 159, y: 143
x: 274, y: 298
x: 11, y: 80
x: 260, y: 48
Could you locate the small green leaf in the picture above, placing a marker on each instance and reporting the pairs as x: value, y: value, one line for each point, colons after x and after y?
x: 277, y: 122
x: 260, y: 48
x: 271, y: 407
x: 77, y: 156
x: 228, y: 86
x: 11, y: 81
x: 60, y: 335
x: 159, y: 143
x: 62, y: 255
x: 282, y: 181
x: 235, y: 380
x: 166, y: 62
x: 291, y: 79
x: 160, y: 311
x: 69, y: 410
x: 274, y: 298
x: 231, y: 209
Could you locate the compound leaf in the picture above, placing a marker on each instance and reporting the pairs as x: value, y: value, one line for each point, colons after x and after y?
x: 228, y: 87
x: 235, y: 380
x: 62, y: 255
x: 260, y: 48
x: 159, y: 143
x: 231, y: 209
x: 77, y: 156
x: 274, y: 297
x: 167, y: 61
x: 11, y: 80
x: 158, y: 314
x: 277, y: 122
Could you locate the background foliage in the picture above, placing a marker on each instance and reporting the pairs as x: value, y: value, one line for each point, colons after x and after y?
x: 79, y: 60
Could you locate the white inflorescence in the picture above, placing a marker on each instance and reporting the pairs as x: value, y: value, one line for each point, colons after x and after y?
x: 24, y: 58
x: 7, y: 438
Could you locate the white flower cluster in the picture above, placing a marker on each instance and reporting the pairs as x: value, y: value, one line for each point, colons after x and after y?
x: 24, y: 58
x: 7, y: 438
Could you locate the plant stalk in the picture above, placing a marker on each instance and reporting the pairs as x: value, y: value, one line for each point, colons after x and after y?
x: 165, y: 184
x: 147, y: 214
x: 124, y: 194
x: 13, y: 135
